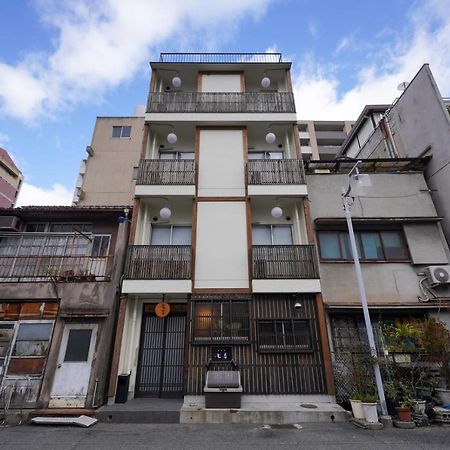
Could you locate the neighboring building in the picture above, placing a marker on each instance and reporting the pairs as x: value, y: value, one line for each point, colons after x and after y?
x: 416, y: 124
x: 321, y: 139
x: 221, y: 233
x: 60, y: 270
x: 106, y: 175
x: 398, y: 235
x: 10, y: 180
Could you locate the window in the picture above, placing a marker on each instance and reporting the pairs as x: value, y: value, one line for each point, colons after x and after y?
x: 384, y: 245
x: 33, y: 339
x: 221, y: 321
x: 171, y: 235
x: 58, y: 227
x: 176, y: 155
x: 121, y: 131
x: 284, y: 335
x: 265, y: 155
x: 78, y: 344
x: 272, y: 234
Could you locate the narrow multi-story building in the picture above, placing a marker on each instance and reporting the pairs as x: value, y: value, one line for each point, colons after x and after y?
x: 221, y: 258
x: 11, y: 179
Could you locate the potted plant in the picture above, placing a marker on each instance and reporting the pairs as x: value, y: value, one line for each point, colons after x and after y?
x: 436, y: 341
x: 356, y: 404
x: 406, y: 401
x: 369, y: 406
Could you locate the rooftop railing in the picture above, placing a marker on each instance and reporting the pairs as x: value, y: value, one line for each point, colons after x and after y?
x: 220, y: 58
x: 158, y: 262
x: 285, y: 262
x: 221, y: 102
x: 275, y: 171
x: 166, y: 172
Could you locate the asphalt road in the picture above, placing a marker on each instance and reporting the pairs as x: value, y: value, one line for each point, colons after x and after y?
x: 223, y: 436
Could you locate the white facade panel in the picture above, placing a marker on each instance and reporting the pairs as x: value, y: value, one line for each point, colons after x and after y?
x: 221, y: 118
x: 156, y: 286
x: 221, y: 259
x: 221, y: 83
x: 285, y: 190
x: 164, y: 191
x: 221, y: 167
x: 308, y: 286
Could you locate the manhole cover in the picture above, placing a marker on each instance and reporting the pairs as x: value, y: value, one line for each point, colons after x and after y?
x: 308, y: 405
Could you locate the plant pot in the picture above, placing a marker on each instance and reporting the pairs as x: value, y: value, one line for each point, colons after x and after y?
x: 402, y: 358
x: 443, y: 394
x: 357, y: 409
x: 419, y: 406
x: 404, y: 414
x: 370, y: 412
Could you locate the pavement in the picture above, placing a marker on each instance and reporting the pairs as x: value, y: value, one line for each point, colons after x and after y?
x: 104, y: 436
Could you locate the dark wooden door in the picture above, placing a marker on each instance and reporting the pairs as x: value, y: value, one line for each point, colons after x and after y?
x: 161, y: 356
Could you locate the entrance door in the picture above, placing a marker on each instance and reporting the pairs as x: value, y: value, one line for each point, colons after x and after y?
x: 71, y: 382
x: 161, y: 356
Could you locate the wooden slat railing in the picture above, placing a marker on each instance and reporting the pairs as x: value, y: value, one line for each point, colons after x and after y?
x: 166, y: 172
x: 59, y: 268
x: 276, y: 171
x: 221, y: 102
x: 158, y: 262
x: 284, y: 261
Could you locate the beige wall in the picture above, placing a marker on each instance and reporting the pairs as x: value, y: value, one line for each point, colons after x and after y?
x: 108, y: 175
x: 221, y: 83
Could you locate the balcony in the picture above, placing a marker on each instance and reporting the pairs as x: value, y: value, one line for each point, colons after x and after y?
x: 157, y: 268
x: 58, y: 268
x: 220, y: 58
x: 177, y: 177
x: 276, y: 177
x: 220, y: 102
x: 294, y: 266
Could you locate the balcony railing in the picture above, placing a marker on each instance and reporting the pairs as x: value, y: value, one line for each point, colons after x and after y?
x: 284, y: 261
x: 221, y: 102
x: 275, y: 171
x: 158, y: 262
x: 58, y: 268
x: 220, y: 58
x: 166, y: 171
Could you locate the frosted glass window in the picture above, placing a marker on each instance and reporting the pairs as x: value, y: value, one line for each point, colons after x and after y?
x: 372, y: 245
x: 282, y: 235
x: 160, y: 236
x: 394, y: 245
x: 272, y: 234
x: 329, y: 245
x: 261, y: 235
x: 171, y: 235
x: 181, y: 235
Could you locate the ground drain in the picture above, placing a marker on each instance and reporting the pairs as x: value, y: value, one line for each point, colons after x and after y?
x: 308, y: 405
x: 283, y: 426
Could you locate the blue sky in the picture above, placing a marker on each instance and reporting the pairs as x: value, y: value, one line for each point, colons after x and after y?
x: 66, y: 62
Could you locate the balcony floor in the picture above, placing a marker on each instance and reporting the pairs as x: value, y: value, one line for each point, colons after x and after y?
x: 307, y: 286
x: 156, y: 286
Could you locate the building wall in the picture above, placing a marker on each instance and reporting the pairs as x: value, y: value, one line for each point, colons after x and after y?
x: 392, y: 195
x: 106, y: 177
x: 10, y: 180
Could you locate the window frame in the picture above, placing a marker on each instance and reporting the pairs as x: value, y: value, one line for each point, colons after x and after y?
x: 284, y: 348
x: 170, y: 227
x: 121, y: 136
x: 359, y: 244
x: 266, y: 155
x: 271, y: 227
x: 208, y: 340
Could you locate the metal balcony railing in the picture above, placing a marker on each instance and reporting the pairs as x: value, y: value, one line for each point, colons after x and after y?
x: 158, y: 262
x: 166, y: 172
x: 59, y: 268
x: 275, y: 171
x: 284, y: 261
x: 220, y: 58
x: 221, y: 102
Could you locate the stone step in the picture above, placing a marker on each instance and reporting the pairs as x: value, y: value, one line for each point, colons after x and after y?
x: 127, y: 416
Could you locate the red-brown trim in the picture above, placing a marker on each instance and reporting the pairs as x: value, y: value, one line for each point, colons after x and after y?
x: 325, y: 345
x: 308, y: 221
x: 248, y: 217
x: 117, y: 346
x: 199, y: 81
x: 297, y: 145
x: 194, y: 242
x: 242, y: 74
x: 207, y: 291
x: 197, y: 157
x: 289, y: 81
x: 134, y: 221
x: 153, y: 81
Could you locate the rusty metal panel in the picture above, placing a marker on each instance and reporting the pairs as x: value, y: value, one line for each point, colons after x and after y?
x: 25, y: 366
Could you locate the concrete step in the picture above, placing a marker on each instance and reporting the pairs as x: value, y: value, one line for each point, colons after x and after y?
x: 266, y: 410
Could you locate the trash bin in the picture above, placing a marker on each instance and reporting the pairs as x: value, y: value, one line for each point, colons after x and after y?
x: 123, y: 382
x: 223, y: 389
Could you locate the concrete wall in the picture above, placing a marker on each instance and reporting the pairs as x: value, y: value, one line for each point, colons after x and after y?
x: 392, y: 195
x: 419, y: 120
x: 108, y: 175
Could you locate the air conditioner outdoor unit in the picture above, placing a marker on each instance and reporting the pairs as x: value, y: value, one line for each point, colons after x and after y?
x: 9, y: 223
x: 438, y: 274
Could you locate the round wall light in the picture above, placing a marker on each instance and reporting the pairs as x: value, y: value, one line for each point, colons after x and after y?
x: 176, y: 81
x: 172, y: 138
x: 265, y: 82
x: 276, y: 212
x: 165, y: 212
x: 270, y: 138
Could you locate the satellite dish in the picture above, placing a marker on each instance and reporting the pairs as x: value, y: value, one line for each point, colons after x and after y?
x: 402, y: 86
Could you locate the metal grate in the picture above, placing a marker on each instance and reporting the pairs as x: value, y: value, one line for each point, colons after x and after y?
x: 220, y: 58
x: 277, y: 171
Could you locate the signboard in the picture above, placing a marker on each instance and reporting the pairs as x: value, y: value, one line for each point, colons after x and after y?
x: 162, y: 309
x: 222, y: 354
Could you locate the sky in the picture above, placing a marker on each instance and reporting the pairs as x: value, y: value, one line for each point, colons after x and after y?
x: 65, y: 62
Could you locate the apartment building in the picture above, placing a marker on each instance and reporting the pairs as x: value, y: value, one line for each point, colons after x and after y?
x: 221, y: 262
x: 60, y: 270
x: 107, y: 174
x: 11, y: 179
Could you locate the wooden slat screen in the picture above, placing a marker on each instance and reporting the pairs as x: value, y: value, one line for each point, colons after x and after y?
x: 166, y: 172
x: 275, y: 171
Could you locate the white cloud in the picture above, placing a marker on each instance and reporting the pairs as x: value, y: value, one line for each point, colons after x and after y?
x: 312, y: 28
x: 31, y: 195
x: 101, y: 44
x: 4, y: 138
x: 343, y: 44
x: 317, y: 87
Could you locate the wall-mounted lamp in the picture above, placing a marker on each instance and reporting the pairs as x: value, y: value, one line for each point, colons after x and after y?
x: 176, y: 81
x: 165, y: 212
x: 265, y: 82
x: 270, y: 137
x: 172, y: 138
x: 276, y: 212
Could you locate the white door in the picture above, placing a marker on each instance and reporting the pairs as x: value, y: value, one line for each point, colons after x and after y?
x: 73, y: 370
